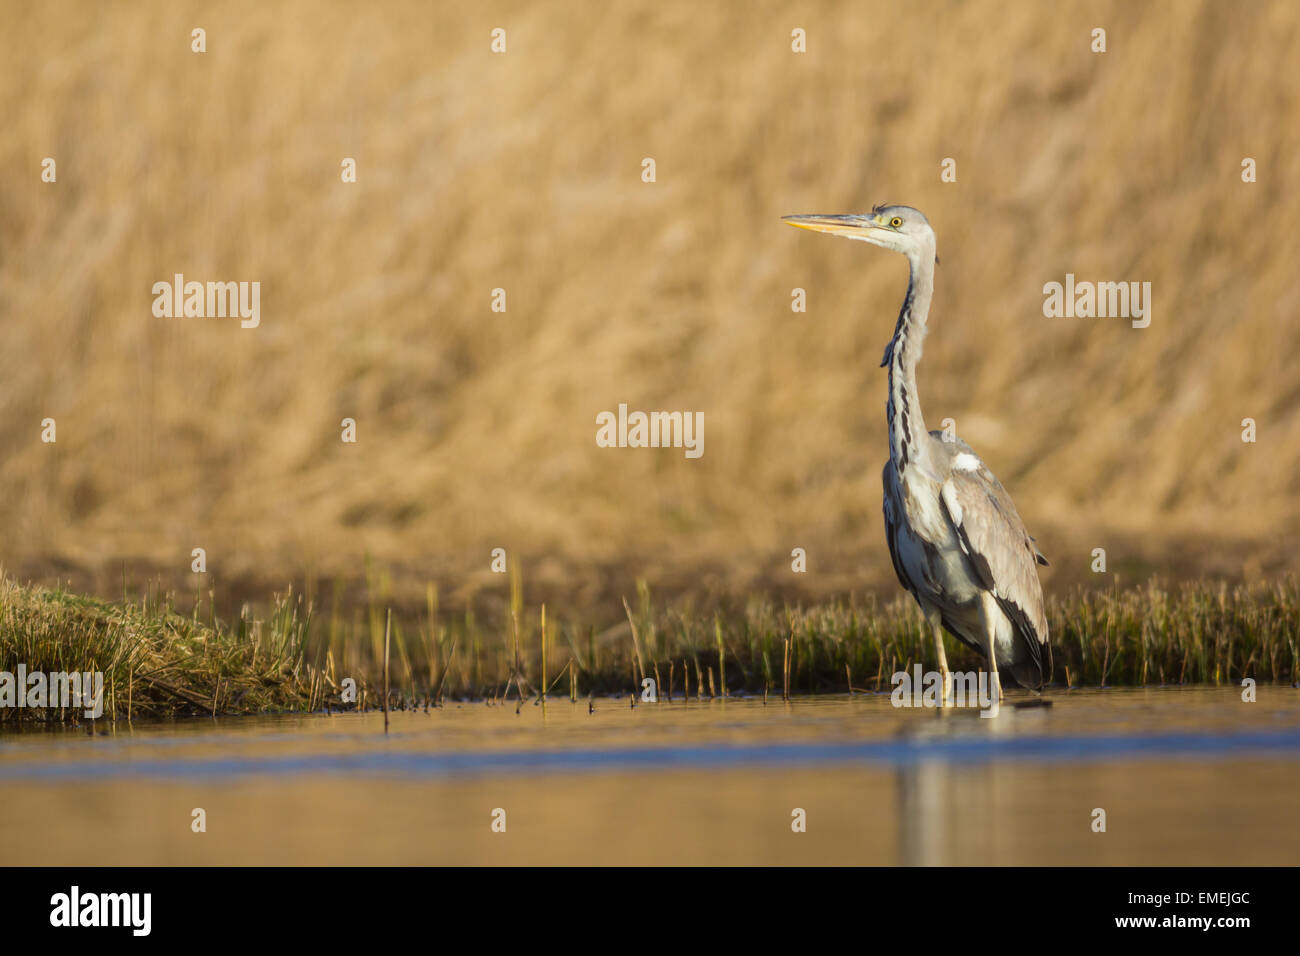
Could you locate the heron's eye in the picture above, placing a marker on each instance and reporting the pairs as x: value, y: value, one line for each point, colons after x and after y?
x: 896, y: 222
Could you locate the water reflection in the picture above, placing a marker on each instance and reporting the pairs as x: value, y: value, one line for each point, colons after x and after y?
x: 1186, y: 776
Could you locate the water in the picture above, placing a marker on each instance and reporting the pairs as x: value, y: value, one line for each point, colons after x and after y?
x: 1184, y: 775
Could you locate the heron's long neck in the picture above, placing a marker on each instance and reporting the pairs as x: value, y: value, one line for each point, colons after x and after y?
x: 907, y: 432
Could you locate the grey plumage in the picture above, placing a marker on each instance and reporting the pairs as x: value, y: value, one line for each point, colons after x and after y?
x: 955, y: 538
x: 999, y: 558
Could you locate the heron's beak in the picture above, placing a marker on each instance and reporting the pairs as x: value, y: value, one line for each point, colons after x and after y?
x: 852, y: 227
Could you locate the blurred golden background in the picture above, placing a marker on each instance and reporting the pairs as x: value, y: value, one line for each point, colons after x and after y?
x: 522, y: 171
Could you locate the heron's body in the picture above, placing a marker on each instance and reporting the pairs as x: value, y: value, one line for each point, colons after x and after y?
x: 955, y: 538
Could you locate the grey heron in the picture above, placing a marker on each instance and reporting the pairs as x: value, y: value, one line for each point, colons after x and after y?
x: 956, y: 541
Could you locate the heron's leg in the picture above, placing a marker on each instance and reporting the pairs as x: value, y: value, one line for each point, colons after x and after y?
x: 991, y: 613
x: 936, y: 624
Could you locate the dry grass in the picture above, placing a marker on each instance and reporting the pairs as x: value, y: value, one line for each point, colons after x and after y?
x: 160, y: 662
x: 522, y: 171
x: 156, y: 662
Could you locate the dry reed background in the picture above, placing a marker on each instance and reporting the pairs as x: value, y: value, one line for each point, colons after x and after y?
x: 522, y: 171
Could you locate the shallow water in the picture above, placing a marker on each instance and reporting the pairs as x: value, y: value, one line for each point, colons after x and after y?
x: 1184, y: 775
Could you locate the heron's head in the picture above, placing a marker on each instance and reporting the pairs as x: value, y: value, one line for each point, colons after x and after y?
x: 900, y: 228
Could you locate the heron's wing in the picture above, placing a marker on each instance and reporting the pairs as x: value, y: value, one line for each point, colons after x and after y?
x: 999, y: 549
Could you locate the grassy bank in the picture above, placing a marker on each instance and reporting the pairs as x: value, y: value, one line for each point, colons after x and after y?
x: 156, y: 661
x: 160, y: 662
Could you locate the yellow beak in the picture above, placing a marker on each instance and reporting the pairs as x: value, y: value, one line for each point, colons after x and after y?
x: 852, y: 225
